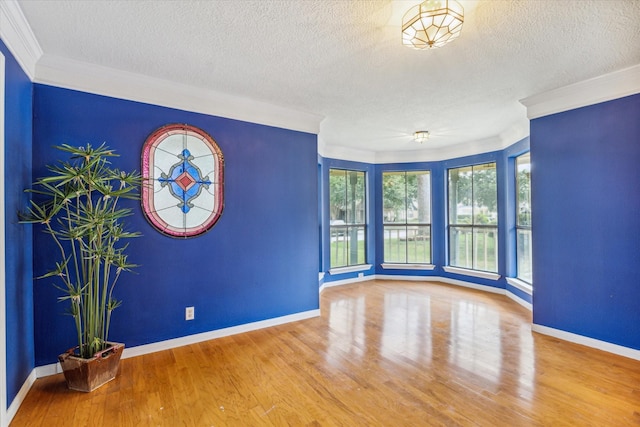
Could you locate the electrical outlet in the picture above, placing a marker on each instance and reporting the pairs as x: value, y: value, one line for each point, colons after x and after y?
x: 360, y: 274
x: 189, y: 313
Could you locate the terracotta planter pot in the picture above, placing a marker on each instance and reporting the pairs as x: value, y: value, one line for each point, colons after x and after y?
x: 89, y: 374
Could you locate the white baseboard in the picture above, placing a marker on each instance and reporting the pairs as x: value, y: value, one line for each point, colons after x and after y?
x: 447, y: 280
x: 586, y: 341
x: 465, y: 284
x: 473, y: 273
x: 22, y: 393
x: 345, y: 282
x: 563, y: 335
x: 415, y: 279
x: 46, y: 370
x: 402, y: 277
x: 520, y: 301
x: 54, y: 368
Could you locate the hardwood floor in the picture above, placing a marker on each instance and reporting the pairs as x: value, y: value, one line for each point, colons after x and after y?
x: 383, y: 354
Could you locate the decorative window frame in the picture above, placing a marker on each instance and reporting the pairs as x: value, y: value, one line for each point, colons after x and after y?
x: 182, y: 193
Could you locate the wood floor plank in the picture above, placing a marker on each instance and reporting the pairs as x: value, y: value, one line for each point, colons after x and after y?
x: 383, y: 353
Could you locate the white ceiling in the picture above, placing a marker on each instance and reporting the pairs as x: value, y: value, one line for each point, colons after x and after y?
x: 344, y: 60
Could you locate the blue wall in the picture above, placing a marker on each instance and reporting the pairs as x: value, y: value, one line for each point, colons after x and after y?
x: 18, y: 249
x: 586, y: 221
x: 259, y: 261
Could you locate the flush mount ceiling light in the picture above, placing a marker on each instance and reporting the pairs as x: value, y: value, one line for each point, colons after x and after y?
x: 433, y: 23
x: 421, y: 136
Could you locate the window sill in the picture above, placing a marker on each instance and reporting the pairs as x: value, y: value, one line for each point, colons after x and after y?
x: 395, y: 266
x: 350, y: 269
x: 523, y: 286
x: 474, y: 273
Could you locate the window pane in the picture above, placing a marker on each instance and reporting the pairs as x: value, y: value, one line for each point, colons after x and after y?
x: 419, y: 197
x: 339, y: 247
x: 485, y: 249
x: 460, y: 247
x: 525, y: 266
x: 419, y: 244
x: 355, y: 197
x: 347, y: 246
x: 395, y: 243
x: 393, y: 197
x: 523, y: 167
x: 356, y: 245
x: 337, y: 196
x: 460, y: 196
x: 485, y: 197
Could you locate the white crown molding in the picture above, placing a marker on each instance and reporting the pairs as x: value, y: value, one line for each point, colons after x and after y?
x: 603, y: 88
x: 410, y: 156
x: 344, y: 153
x: 91, y: 78
x: 516, y: 132
x: 17, y: 35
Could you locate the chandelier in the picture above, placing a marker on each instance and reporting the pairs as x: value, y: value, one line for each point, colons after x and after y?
x: 421, y: 136
x: 433, y: 23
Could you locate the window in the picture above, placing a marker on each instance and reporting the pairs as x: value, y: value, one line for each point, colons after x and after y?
x: 523, y: 218
x: 347, y: 211
x: 182, y: 169
x: 473, y: 217
x: 406, y: 204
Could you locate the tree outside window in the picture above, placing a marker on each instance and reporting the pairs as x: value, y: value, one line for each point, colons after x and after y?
x: 406, y: 200
x: 473, y: 217
x: 347, y: 211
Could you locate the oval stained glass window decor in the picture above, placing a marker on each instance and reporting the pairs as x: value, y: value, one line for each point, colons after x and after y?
x: 182, y: 171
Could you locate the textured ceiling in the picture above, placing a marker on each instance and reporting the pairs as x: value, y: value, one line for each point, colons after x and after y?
x: 344, y: 59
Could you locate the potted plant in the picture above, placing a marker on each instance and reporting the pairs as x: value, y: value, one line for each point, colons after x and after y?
x: 77, y: 205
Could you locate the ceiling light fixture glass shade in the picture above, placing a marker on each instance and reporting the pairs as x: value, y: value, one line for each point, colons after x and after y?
x: 433, y: 23
x: 421, y: 136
